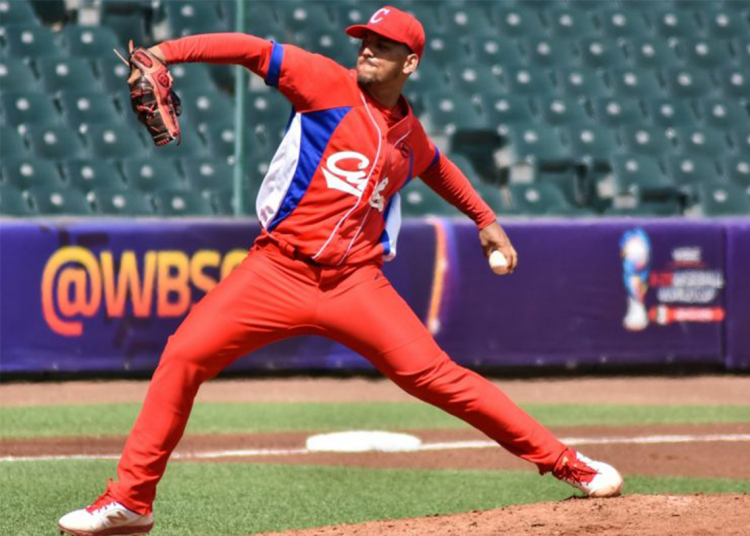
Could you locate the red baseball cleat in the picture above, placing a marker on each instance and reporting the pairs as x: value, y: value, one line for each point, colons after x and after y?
x: 595, y: 479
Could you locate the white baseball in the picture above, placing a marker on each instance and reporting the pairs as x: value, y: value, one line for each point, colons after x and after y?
x: 498, y: 262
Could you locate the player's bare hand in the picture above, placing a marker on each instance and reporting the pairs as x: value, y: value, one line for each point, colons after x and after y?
x: 493, y: 238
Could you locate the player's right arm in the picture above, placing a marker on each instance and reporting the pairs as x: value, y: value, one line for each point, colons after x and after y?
x: 309, y: 81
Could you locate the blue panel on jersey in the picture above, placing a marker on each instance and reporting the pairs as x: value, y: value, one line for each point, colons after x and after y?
x: 274, y: 66
x: 317, y: 129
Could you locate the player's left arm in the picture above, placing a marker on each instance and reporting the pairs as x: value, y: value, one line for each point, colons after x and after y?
x: 443, y: 176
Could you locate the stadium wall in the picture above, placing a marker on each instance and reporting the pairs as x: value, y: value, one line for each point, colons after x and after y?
x: 102, y: 296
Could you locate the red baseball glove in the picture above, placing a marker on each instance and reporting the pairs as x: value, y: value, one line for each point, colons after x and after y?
x: 154, y: 102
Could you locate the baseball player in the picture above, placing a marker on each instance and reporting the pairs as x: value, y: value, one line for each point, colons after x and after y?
x: 329, y: 207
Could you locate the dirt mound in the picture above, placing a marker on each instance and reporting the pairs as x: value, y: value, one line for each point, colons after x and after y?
x: 632, y: 515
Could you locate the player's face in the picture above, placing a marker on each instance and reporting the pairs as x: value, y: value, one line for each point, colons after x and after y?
x: 381, y: 61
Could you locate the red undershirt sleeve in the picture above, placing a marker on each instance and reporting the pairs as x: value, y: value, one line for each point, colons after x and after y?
x: 249, y: 51
x: 447, y: 180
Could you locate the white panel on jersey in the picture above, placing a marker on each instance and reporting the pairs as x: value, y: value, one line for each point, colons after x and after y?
x: 393, y: 225
x: 280, y: 173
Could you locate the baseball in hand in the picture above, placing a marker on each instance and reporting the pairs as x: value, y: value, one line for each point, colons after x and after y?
x: 498, y: 262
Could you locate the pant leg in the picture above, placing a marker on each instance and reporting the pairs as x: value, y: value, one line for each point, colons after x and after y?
x: 367, y: 314
x: 258, y: 303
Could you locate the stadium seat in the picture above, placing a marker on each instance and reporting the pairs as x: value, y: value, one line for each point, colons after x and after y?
x: 544, y: 199
x: 735, y: 83
x: 494, y: 50
x: 269, y: 109
x: 428, y: 13
x: 599, y: 53
x: 191, y: 143
x: 474, y: 79
x: 208, y: 173
x: 11, y: 144
x: 740, y: 137
x: 261, y: 20
x: 83, y: 108
x: 635, y: 82
x: 24, y: 173
x: 59, y: 201
x: 114, y: 141
x: 89, y: 174
x: 301, y: 17
x: 333, y: 44
x: 723, y: 113
x: 193, y: 17
x: 17, y: 75
x: 128, y: 26
x: 670, y: 112
x: 720, y: 199
x: 152, y: 174
x: 55, y: 142
x: 220, y: 138
x: 517, y: 21
x: 32, y: 42
x: 21, y: 108
x: 502, y: 109
x: 707, y: 141
x: 192, y: 76
x: 640, y: 176
x: 705, y: 53
x: 204, y: 107
x: 119, y: 202
x: 565, y: 21
x: 689, y: 83
x: 466, y: 167
x: 618, y: 22
x: 646, y: 140
x: 446, y: 112
x: 563, y: 111
x: 528, y: 81
x: 427, y: 77
x: 114, y: 75
x: 18, y: 12
x: 582, y: 82
x: 741, y: 49
x: 533, y: 143
x: 736, y: 168
x: 688, y: 170
x: 444, y: 49
x: 550, y: 52
x: 722, y: 23
x: 418, y: 200
x: 90, y: 41
x: 60, y: 74
x: 13, y: 202
x: 592, y: 144
x: 674, y: 23
x: 651, y: 53
x: 469, y: 18
x: 634, y: 207
x: 51, y: 12
x: 617, y: 112
x: 223, y: 201
x: 182, y: 203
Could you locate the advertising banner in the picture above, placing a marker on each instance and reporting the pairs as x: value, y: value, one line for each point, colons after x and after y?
x: 738, y: 294
x: 104, y: 296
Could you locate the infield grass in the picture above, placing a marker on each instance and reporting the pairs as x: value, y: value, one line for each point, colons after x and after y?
x: 237, y: 499
x: 214, y: 418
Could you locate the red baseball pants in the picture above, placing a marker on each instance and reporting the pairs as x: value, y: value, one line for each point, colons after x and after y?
x: 271, y: 296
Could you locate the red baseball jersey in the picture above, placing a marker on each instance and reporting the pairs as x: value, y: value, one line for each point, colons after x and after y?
x: 331, y: 190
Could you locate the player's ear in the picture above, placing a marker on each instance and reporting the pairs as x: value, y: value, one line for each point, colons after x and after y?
x: 411, y: 63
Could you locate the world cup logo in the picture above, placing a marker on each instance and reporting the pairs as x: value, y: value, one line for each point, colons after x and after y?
x: 635, y: 250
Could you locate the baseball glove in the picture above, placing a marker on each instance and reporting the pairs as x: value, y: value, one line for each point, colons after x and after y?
x: 154, y: 102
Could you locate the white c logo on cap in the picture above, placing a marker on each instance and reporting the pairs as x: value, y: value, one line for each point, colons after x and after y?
x: 376, y: 17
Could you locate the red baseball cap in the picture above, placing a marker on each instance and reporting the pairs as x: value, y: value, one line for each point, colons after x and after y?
x: 393, y: 24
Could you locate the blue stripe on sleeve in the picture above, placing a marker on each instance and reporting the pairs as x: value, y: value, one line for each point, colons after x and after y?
x: 435, y: 158
x: 274, y: 67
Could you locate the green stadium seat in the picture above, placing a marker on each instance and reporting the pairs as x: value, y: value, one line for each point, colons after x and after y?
x: 32, y: 42
x: 636, y: 208
x: 152, y: 174
x: 193, y: 17
x: 191, y: 144
x: 570, y: 182
x: 428, y: 77
x: 735, y: 83
x: 563, y: 111
x: 61, y: 74
x: 516, y: 21
x: 592, y: 144
x: 192, y: 76
x: 59, y: 201
x: 56, y: 142
x: 640, y: 176
x: 741, y: 49
x: 17, y: 75
x: 468, y: 19
x: 491, y: 195
x: 11, y: 144
x: 670, y: 112
x: 736, y: 168
x: 720, y: 199
x: 471, y: 79
x: 646, y: 140
x: 705, y: 141
x: 204, y: 107
x: 182, y: 203
x: 528, y: 81
x: 635, y: 82
x: 616, y: 112
x: 88, y: 174
x: 333, y: 44
x: 536, y: 144
x: 723, y: 113
x: 543, y: 199
x: 13, y: 202
x: 689, y: 83
x: 565, y: 21
x: 674, y: 23
x: 494, y: 50
x: 348, y: 13
x: 89, y: 41
x: 445, y: 49
x: 428, y: 13
x: 119, y: 202
x: 24, y: 173
x: 705, y: 53
x: 18, y: 12
x: 269, y: 109
x: 740, y: 137
x: 114, y: 141
x: 722, y: 23
x: 446, y: 112
x: 84, y: 108
x: 223, y: 201
x: 21, y: 108
x: 651, y: 53
x: 260, y: 18
x: 582, y: 82
x: 418, y: 200
x: 600, y: 53
x: 687, y: 170
x: 466, y: 166
x: 503, y: 109
x: 550, y: 52
x: 113, y: 75
x: 128, y: 26
x: 208, y: 173
x: 51, y: 12
x: 301, y: 17
x: 620, y: 22
x: 221, y: 138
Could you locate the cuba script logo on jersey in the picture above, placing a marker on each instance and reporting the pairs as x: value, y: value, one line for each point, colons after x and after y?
x: 351, y: 182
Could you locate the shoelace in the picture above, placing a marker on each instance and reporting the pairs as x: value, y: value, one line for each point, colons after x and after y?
x: 103, y: 502
x: 575, y: 470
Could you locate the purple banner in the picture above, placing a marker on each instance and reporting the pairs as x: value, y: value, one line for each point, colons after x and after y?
x: 738, y: 294
x: 104, y: 295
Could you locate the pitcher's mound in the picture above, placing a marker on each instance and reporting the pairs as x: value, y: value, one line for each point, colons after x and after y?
x: 632, y: 515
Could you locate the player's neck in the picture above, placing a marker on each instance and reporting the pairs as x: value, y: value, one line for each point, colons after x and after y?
x: 385, y: 95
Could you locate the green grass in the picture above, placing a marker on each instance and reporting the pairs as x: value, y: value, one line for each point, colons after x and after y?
x: 234, y: 499
x: 117, y: 419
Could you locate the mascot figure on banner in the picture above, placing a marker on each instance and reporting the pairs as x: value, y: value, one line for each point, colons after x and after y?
x: 635, y: 250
